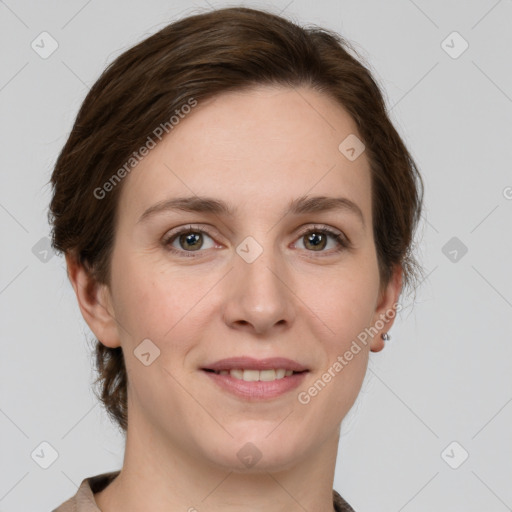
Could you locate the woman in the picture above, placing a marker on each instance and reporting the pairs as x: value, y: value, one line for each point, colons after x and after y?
x: 237, y: 212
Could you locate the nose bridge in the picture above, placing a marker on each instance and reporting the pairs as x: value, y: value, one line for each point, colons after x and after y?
x: 259, y: 295
x: 258, y: 264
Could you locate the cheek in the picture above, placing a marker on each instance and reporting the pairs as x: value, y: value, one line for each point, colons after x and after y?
x: 344, y: 306
x: 153, y: 302
x: 142, y: 302
x: 159, y: 307
x: 344, y: 303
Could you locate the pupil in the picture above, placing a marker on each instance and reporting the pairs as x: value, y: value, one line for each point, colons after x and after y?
x: 319, y: 238
x: 192, y: 238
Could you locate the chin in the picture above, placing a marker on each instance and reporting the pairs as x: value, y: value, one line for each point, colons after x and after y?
x: 255, y: 454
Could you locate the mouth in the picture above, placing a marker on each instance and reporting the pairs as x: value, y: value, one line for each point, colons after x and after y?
x: 249, y: 375
x: 253, y: 379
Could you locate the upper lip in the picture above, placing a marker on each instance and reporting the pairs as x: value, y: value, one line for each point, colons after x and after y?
x: 250, y: 363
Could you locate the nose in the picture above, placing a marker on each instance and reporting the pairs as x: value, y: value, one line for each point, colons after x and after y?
x: 259, y: 296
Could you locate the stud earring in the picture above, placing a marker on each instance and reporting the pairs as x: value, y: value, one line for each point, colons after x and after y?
x: 385, y: 336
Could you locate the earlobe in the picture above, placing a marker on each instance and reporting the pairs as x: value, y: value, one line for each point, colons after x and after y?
x: 95, y: 302
x: 385, y: 313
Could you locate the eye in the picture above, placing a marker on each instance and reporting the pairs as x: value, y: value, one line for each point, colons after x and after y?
x: 316, y: 239
x: 188, y: 239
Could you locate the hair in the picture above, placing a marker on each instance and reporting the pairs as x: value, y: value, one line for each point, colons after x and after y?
x: 198, y: 57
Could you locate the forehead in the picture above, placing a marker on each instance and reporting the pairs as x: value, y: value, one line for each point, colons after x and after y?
x: 256, y: 148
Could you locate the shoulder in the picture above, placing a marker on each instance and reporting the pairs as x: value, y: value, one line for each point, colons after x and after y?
x: 340, y: 505
x: 83, y: 500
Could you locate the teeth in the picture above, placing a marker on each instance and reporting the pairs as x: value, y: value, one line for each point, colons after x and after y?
x: 251, y: 375
x: 237, y: 374
x: 267, y: 375
x: 255, y: 375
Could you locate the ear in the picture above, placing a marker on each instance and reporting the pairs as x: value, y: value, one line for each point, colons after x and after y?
x: 385, y: 312
x: 95, y: 302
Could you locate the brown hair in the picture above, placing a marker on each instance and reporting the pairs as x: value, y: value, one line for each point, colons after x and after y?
x: 199, y: 57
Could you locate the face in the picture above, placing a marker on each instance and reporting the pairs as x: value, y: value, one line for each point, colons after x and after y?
x: 273, y: 277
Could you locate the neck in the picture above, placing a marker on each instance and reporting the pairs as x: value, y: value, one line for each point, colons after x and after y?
x: 162, y: 476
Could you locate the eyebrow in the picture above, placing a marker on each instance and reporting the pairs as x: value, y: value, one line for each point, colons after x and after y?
x: 301, y: 205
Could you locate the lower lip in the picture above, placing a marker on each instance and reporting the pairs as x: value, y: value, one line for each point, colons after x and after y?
x: 258, y: 390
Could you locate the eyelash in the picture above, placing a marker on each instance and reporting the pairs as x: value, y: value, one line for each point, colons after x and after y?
x: 342, y: 241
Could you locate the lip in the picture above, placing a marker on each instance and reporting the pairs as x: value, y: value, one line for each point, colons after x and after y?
x: 250, y: 363
x: 258, y: 390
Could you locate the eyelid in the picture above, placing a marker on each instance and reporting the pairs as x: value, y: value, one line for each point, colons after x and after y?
x: 200, y: 228
x: 321, y: 227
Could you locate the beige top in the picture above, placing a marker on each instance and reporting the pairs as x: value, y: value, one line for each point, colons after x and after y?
x: 83, y: 500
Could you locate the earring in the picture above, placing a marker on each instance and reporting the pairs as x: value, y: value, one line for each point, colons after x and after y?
x: 385, y: 336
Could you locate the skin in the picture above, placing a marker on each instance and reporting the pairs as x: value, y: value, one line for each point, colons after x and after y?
x: 256, y: 150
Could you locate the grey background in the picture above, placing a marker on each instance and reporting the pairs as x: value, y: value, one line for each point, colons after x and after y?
x: 446, y: 373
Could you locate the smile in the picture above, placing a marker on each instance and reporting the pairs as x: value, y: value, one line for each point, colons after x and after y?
x: 255, y: 385
x: 256, y: 375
